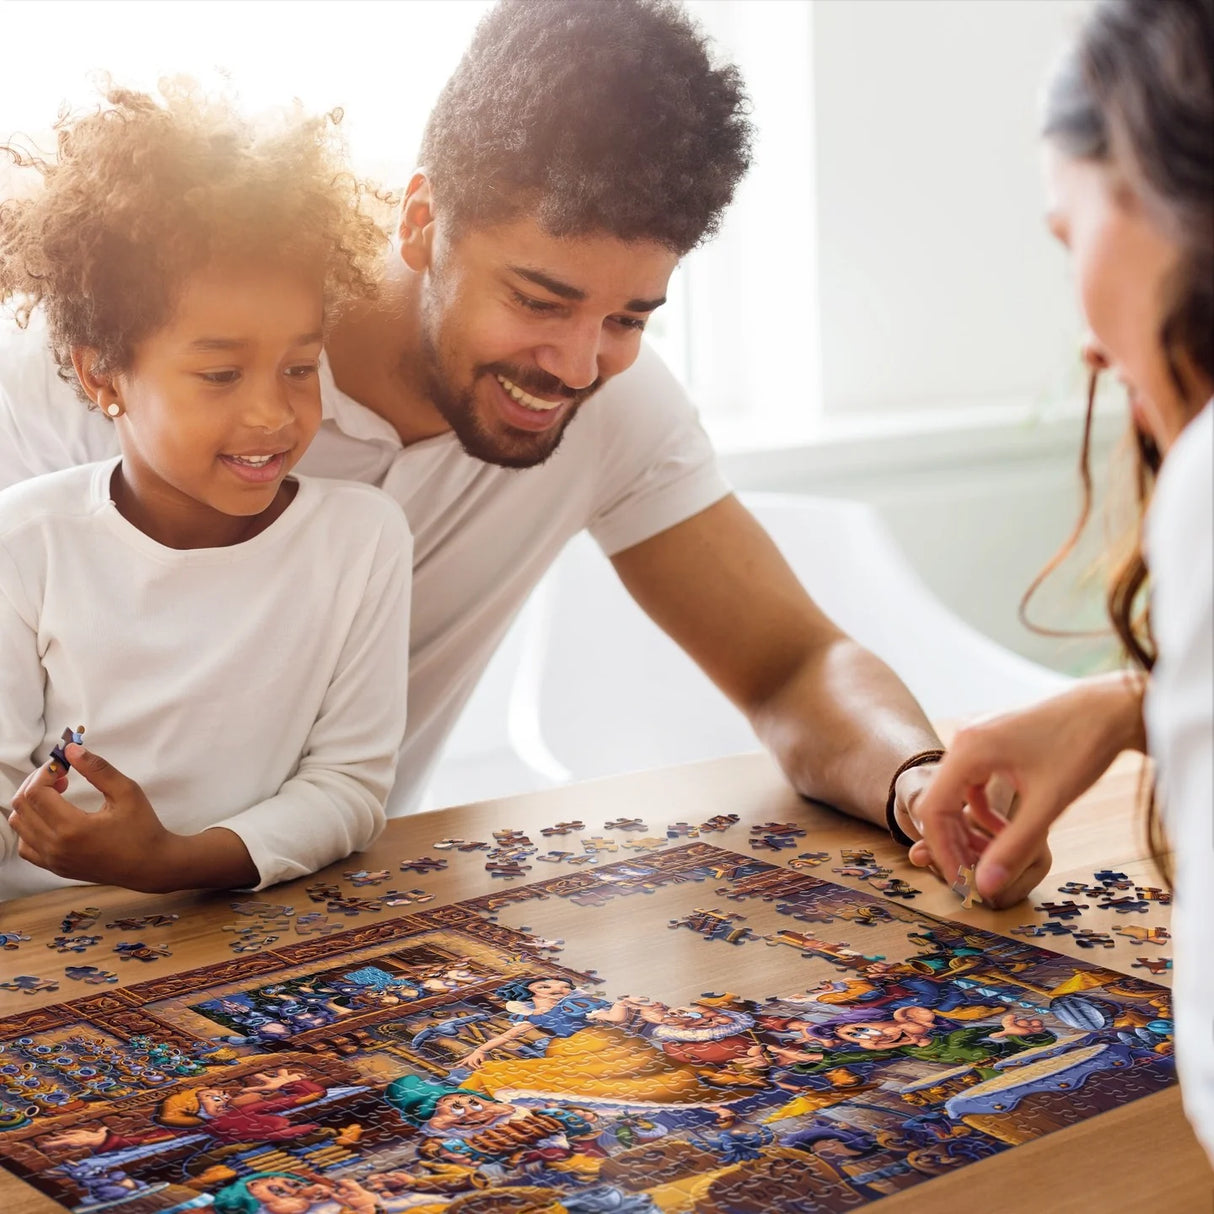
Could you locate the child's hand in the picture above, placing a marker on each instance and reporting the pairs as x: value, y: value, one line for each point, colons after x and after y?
x: 120, y: 844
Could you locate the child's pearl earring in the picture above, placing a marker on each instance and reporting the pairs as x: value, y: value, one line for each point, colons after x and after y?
x: 113, y: 409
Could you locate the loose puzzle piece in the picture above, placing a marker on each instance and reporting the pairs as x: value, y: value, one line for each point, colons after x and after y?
x: 682, y: 830
x: 269, y: 910
x: 137, y: 924
x: 1157, y: 965
x: 1152, y: 893
x: 646, y: 844
x: 322, y: 891
x: 1090, y: 939
x: 1062, y: 910
x: 625, y: 824
x: 720, y: 822
x: 28, y: 984
x: 405, y: 897
x: 809, y: 859
x: 563, y: 828
x: 1042, y: 929
x: 90, y: 974
x: 75, y: 920
x: 715, y: 925
x: 461, y: 845
x: 1144, y: 935
x: 774, y: 842
x: 73, y: 944
x: 1077, y: 888
x: 863, y: 871
x: 136, y: 950
x: 12, y: 940
x: 350, y: 905
x: 778, y: 828
x: 512, y: 838
x: 364, y: 876
x: 895, y: 887
x: 553, y: 857
x: 252, y: 944
x: 1126, y: 905
x: 851, y: 855
x: 1106, y: 876
x: 600, y: 845
x: 313, y: 923
x: 507, y: 868
x: 423, y: 864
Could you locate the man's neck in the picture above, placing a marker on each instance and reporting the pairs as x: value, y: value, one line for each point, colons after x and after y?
x: 371, y: 347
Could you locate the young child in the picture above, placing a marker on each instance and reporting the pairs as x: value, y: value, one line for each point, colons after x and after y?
x: 235, y: 639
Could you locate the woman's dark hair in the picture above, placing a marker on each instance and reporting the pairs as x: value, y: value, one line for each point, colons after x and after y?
x: 1136, y: 91
x: 591, y: 115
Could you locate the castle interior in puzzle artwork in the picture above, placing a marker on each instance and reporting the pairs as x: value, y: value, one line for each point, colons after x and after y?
x: 440, y: 1059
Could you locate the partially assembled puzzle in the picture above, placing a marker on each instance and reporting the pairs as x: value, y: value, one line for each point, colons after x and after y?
x: 435, y: 1059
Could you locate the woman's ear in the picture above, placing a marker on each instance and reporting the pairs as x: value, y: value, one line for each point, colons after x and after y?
x: 98, y: 387
x: 416, y: 226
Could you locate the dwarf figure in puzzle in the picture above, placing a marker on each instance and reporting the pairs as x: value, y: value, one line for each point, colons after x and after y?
x: 475, y: 1131
x: 719, y: 1042
x: 290, y: 1193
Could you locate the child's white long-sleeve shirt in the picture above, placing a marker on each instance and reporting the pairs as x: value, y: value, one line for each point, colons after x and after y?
x: 260, y: 687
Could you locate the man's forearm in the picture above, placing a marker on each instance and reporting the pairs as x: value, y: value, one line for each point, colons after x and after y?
x: 842, y: 726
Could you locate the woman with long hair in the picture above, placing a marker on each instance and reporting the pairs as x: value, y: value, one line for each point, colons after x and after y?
x: 1129, y: 131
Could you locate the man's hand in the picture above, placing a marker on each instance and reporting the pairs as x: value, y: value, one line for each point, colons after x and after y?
x: 124, y: 843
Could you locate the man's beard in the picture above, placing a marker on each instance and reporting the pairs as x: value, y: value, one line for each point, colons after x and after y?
x: 515, y: 449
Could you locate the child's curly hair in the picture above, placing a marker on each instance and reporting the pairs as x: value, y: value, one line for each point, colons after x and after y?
x: 146, y: 190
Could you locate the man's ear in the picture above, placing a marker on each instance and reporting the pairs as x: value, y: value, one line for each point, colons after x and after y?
x: 98, y: 387
x: 416, y: 227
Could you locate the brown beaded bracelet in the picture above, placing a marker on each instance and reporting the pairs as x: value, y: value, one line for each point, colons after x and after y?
x: 917, y: 760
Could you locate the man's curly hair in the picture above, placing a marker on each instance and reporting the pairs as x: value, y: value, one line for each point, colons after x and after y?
x: 146, y: 190
x: 591, y: 115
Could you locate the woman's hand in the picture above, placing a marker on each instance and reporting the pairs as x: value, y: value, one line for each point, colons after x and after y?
x: 1049, y: 754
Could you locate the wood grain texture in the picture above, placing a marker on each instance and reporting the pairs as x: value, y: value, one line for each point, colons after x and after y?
x: 1141, y: 1157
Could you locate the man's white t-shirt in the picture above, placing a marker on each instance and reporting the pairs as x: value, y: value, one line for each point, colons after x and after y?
x: 633, y: 462
x: 258, y: 687
x: 1180, y: 731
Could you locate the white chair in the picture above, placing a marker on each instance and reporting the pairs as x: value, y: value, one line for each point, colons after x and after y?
x: 600, y: 689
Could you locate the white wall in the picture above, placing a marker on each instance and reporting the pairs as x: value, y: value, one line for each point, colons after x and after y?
x: 937, y: 284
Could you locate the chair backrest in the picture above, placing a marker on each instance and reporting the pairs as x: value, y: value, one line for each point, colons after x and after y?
x: 600, y: 689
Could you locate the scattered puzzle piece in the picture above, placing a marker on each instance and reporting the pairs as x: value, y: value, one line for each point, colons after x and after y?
x: 1090, y: 939
x: 140, y: 922
x: 423, y: 864
x: 600, y: 844
x: 74, y: 920
x: 895, y: 887
x: 720, y: 822
x: 851, y: 855
x: 461, y: 845
x: 1157, y: 965
x: 73, y: 944
x: 322, y: 891
x: 136, y: 950
x: 1106, y: 876
x: 90, y: 974
x: 648, y: 844
x: 809, y: 859
x: 682, y: 830
x: 625, y: 824
x: 405, y: 897
x: 1152, y: 893
x: 1042, y: 929
x: 507, y: 868
x: 563, y: 828
x: 1126, y: 905
x: 363, y: 876
x: 554, y: 857
x: 12, y: 940
x: 715, y: 925
x: 1062, y: 910
x: 1144, y: 935
x: 28, y: 984
x: 773, y: 842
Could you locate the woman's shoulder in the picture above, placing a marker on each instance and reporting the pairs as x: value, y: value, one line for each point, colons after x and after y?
x: 1181, y: 517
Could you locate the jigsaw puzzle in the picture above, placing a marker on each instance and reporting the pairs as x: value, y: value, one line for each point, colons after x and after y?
x: 442, y: 1061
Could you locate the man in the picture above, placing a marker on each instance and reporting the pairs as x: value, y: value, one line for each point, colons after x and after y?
x: 499, y: 390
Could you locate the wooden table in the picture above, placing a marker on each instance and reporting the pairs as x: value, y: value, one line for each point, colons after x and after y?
x: 1140, y: 1157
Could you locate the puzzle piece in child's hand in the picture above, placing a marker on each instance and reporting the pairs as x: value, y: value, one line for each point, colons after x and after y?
x: 720, y: 822
x: 1157, y: 965
x: 364, y: 876
x: 28, y: 984
x: 778, y: 828
x: 136, y: 950
x: 1086, y: 938
x: 649, y: 843
x: 75, y: 920
x: 321, y: 891
x: 562, y: 828
x: 682, y: 830
x: 12, y: 940
x: 90, y: 974
x: 1041, y: 929
x: 73, y: 944
x: 963, y: 886
x: 851, y: 855
x: 423, y: 864
x: 1062, y: 910
x: 66, y: 738
x: 137, y: 924
x: 773, y: 842
x: 1152, y: 893
x: 1144, y: 935
x: 625, y: 824
x: 1126, y: 905
x: 600, y: 844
